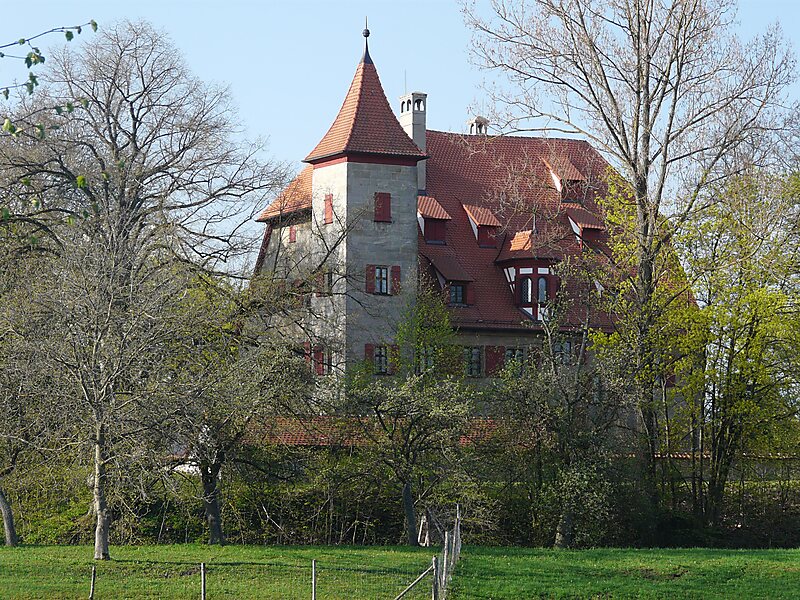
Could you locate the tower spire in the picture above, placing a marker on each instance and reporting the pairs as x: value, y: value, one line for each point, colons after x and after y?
x: 366, y: 58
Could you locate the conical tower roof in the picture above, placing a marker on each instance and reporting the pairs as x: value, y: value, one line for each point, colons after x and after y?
x: 365, y: 124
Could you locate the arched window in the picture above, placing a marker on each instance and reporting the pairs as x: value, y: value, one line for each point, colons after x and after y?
x: 525, y: 291
x: 542, y: 290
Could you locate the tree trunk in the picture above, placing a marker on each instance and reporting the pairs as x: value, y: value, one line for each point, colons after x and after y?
x: 99, y: 492
x: 209, y: 473
x: 8, y: 520
x: 411, y: 517
x: 565, y: 532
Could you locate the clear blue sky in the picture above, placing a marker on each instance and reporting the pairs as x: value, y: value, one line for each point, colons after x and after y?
x: 289, y: 63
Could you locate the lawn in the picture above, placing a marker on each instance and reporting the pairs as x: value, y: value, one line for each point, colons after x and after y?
x: 173, y: 572
x: 485, y: 573
x: 271, y: 572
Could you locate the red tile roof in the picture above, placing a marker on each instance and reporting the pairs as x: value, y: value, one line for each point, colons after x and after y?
x: 583, y: 218
x: 296, y: 197
x: 444, y: 260
x: 563, y: 167
x: 332, y: 431
x: 481, y: 215
x: 509, y: 177
x: 365, y: 123
x: 429, y: 208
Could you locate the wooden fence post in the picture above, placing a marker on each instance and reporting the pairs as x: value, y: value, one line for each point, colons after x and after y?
x: 202, y: 581
x: 314, y: 579
x: 94, y: 577
x: 445, y: 556
x: 435, y: 591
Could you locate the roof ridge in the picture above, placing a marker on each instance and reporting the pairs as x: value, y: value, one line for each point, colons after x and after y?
x: 509, y: 136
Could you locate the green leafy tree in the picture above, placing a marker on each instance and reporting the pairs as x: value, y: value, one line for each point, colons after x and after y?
x: 668, y: 94
x: 227, y: 379
x: 413, y: 419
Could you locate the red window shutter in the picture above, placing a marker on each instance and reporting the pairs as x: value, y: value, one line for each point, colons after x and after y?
x: 495, y: 359
x: 319, y: 283
x: 383, y: 206
x: 328, y: 208
x: 292, y: 234
x: 307, y: 351
x: 369, y: 353
x: 395, y: 280
x: 319, y: 360
x: 394, y: 358
x: 470, y: 293
x: 370, y: 279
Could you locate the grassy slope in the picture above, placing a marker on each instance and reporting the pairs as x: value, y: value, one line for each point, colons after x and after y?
x: 485, y: 573
x: 172, y: 572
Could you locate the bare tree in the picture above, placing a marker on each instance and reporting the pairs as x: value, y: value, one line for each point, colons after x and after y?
x: 667, y: 92
x: 148, y: 165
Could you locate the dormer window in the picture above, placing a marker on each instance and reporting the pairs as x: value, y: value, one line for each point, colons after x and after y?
x: 457, y: 294
x: 526, y: 291
x: 541, y: 294
x: 567, y: 179
x: 484, y: 225
x: 487, y: 236
x: 435, y: 231
x: 432, y: 220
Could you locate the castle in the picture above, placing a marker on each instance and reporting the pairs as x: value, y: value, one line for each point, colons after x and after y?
x: 383, y: 203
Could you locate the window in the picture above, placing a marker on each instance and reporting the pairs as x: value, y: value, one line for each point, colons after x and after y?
x: 542, y: 290
x: 525, y: 290
x: 562, y: 352
x: 457, y: 295
x: 473, y: 361
x: 381, y: 280
x: 515, y: 360
x: 435, y: 231
x: 383, y: 207
x: 328, y: 209
x: 292, y: 234
x: 425, y: 359
x: 381, y: 360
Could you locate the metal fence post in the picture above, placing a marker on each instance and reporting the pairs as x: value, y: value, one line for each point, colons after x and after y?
x: 202, y: 581
x: 313, y: 579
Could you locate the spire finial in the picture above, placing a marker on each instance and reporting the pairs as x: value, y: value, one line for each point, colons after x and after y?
x: 366, y: 58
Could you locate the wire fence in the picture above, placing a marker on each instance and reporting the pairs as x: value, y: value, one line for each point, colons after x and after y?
x: 327, y: 578
x: 442, y: 566
x: 287, y: 573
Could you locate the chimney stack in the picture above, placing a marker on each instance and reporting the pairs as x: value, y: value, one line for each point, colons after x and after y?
x: 412, y: 119
x: 478, y: 126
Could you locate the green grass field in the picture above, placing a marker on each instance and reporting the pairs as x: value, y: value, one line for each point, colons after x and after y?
x: 485, y: 573
x: 172, y: 572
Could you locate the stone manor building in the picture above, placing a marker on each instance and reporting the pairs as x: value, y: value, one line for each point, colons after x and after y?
x: 384, y: 203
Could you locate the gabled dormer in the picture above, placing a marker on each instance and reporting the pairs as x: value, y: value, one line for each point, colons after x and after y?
x: 566, y: 177
x: 432, y: 219
x: 484, y: 225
